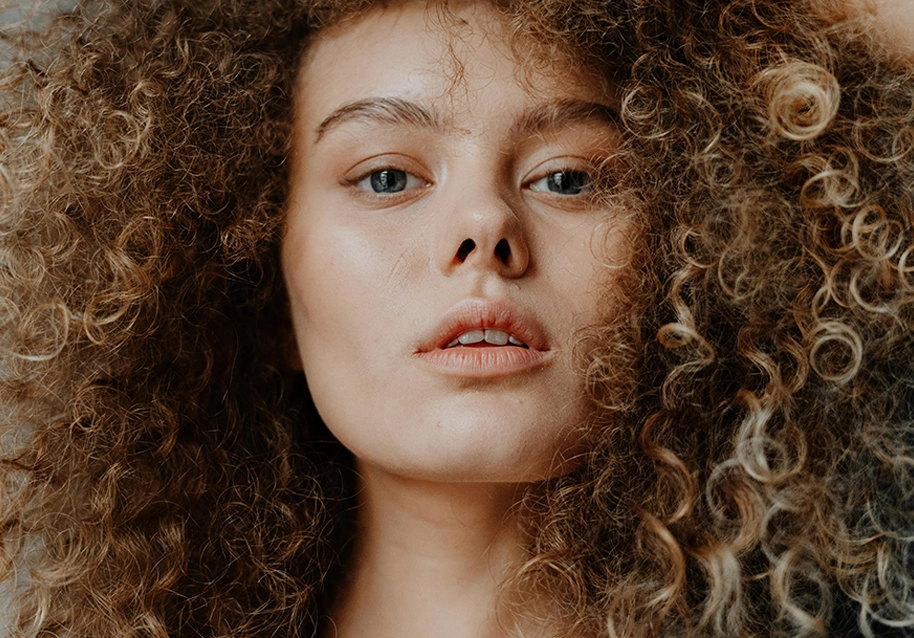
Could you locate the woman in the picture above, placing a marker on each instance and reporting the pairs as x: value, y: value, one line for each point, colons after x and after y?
x: 603, y: 312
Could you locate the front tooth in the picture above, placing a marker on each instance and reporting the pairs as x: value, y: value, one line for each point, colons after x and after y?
x: 514, y: 341
x: 473, y: 336
x: 497, y: 337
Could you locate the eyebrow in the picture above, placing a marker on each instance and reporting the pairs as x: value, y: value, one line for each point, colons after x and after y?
x: 537, y: 120
x: 380, y: 109
x: 557, y: 114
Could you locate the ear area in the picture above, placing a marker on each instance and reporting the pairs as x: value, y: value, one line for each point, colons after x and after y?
x: 290, y: 354
x: 293, y: 359
x: 287, y: 355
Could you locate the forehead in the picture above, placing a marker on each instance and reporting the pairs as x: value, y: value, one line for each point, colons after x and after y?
x: 459, y: 57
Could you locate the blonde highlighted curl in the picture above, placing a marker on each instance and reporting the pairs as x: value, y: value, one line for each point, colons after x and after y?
x: 752, y: 461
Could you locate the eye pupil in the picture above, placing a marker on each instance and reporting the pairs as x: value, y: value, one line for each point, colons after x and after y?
x: 388, y: 181
x: 568, y: 182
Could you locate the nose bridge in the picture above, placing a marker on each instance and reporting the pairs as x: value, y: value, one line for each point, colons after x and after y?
x: 482, y: 229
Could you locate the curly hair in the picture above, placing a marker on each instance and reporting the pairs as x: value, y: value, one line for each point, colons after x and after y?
x: 751, y: 469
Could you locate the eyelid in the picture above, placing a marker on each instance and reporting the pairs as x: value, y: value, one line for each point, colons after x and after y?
x: 560, y: 164
x: 382, y: 161
x: 357, y: 182
x: 362, y: 170
x: 586, y: 188
x: 378, y: 163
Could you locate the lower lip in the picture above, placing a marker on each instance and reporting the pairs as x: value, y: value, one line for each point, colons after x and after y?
x: 482, y: 363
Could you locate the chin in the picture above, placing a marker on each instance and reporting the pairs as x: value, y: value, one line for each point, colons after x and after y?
x: 487, y: 448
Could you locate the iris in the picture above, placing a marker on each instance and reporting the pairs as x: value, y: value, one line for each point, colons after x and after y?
x: 388, y: 180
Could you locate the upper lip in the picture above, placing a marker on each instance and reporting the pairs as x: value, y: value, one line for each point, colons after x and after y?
x: 480, y: 314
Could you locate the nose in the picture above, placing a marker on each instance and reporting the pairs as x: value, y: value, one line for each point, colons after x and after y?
x: 483, y: 232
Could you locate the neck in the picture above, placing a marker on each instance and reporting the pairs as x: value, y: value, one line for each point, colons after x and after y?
x: 429, y: 558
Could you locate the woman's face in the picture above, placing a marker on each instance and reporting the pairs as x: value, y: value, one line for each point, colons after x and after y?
x: 443, y: 246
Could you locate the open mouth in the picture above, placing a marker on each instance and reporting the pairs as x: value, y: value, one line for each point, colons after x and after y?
x: 486, y: 338
x: 481, y: 339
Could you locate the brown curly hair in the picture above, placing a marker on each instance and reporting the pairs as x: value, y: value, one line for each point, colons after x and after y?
x: 752, y: 463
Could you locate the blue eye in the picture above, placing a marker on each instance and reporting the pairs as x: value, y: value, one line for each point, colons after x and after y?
x: 564, y: 183
x: 388, y: 181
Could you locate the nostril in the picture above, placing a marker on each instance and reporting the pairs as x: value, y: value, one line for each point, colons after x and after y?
x: 503, y: 250
x: 465, y: 249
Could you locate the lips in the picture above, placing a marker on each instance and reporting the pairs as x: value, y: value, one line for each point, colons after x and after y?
x: 479, y: 338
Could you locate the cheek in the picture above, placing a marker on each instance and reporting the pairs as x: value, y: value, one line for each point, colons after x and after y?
x: 345, y: 290
x: 329, y: 275
x: 325, y: 274
x: 577, y: 268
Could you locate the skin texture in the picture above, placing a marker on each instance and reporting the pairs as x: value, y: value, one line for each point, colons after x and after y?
x: 440, y: 446
x: 748, y: 469
x: 371, y: 277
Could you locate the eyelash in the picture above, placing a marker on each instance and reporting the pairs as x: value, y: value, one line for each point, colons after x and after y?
x: 382, y: 175
x: 579, y: 180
